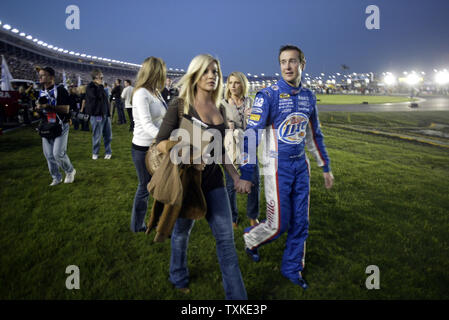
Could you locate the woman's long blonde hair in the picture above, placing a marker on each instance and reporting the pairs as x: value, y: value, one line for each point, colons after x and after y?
x: 187, y: 83
x: 151, y: 75
x: 243, y: 81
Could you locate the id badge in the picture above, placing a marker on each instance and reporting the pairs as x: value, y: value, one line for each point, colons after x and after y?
x: 51, y: 117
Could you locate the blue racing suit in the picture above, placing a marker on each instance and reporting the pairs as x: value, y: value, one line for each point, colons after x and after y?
x: 284, y: 119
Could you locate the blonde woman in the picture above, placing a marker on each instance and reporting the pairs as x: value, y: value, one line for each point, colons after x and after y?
x: 200, y: 94
x: 238, y: 109
x: 148, y: 109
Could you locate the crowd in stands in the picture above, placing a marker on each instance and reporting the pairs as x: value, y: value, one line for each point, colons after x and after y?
x: 22, y: 68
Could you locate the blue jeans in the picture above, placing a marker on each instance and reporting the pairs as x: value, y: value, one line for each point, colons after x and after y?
x: 55, y: 153
x: 219, y: 218
x: 252, y: 204
x: 118, y: 104
x: 101, y: 128
x: 141, y: 198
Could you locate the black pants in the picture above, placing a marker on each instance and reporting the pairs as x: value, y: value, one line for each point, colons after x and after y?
x: 131, y: 121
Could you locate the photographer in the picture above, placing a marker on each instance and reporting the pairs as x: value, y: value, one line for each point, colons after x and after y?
x: 53, y: 106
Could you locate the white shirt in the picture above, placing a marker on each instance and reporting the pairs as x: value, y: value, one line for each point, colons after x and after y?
x: 148, y: 112
x: 126, y: 95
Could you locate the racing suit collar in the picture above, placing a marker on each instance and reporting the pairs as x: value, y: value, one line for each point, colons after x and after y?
x: 286, y: 86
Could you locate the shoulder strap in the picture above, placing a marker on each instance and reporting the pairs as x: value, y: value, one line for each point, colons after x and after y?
x: 180, y: 109
x: 223, y: 114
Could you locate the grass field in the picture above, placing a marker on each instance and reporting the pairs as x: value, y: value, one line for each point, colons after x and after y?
x: 389, y: 207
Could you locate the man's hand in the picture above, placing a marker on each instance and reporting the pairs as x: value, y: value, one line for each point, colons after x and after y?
x: 328, y: 179
x: 243, y: 186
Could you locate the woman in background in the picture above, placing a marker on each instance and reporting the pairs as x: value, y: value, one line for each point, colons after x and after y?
x: 238, y: 109
x: 148, y: 109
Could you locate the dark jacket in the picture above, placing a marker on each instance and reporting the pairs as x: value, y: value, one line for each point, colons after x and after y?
x: 116, y: 94
x: 97, y: 103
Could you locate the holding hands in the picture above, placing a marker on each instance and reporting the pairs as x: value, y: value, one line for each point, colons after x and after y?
x: 242, y: 186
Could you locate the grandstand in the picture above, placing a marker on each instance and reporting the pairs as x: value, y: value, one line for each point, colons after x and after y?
x: 23, y: 53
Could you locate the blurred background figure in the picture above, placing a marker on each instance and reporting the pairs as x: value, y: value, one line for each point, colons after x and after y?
x: 116, y: 102
x: 238, y: 108
x: 126, y: 97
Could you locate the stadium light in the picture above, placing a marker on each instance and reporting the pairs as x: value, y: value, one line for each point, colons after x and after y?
x: 390, y: 79
x: 7, y: 27
x: 60, y: 50
x: 40, y: 42
x: 45, y: 44
x: 65, y: 51
x: 15, y: 30
x: 249, y: 74
x: 412, y: 79
x: 50, y: 47
x: 262, y: 74
x: 442, y: 78
x: 29, y: 37
x: 35, y: 40
x: 22, y: 34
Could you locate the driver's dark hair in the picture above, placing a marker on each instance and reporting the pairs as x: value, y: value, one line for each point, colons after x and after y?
x: 302, y: 58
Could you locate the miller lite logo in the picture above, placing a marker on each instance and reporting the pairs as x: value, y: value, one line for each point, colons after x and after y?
x: 293, y: 129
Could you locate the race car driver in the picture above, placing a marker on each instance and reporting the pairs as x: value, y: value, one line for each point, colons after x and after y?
x: 288, y: 114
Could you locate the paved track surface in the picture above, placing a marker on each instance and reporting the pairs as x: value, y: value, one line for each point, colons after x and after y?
x: 424, y: 104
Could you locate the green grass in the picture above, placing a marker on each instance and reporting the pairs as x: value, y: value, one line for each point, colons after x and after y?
x: 328, y: 99
x: 358, y: 99
x: 389, y: 207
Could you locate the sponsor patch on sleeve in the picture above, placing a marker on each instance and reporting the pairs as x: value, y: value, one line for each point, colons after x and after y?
x: 255, y: 117
x: 258, y: 102
x: 256, y: 110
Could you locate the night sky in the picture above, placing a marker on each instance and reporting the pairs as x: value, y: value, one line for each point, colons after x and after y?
x: 246, y: 35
